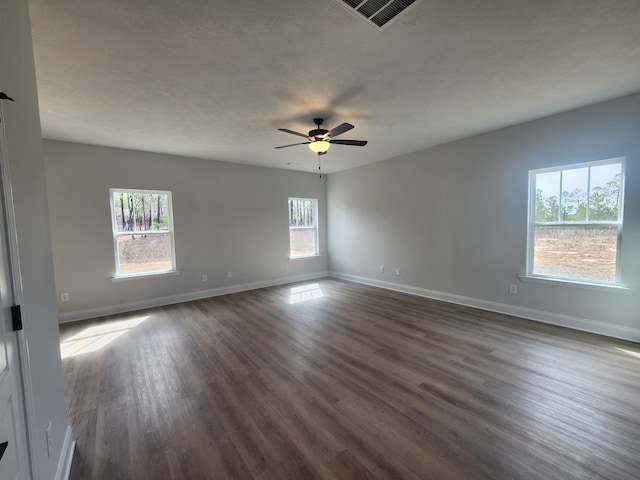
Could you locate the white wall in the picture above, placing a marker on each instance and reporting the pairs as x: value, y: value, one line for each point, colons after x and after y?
x: 454, y: 218
x: 24, y: 152
x: 227, y: 217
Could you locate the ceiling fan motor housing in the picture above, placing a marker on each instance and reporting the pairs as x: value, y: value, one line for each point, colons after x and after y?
x: 318, y: 134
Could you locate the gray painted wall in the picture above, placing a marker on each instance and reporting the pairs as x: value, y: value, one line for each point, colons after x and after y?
x: 227, y: 217
x: 24, y: 152
x: 454, y: 217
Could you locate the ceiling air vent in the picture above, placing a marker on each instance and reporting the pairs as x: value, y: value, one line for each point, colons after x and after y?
x: 377, y: 13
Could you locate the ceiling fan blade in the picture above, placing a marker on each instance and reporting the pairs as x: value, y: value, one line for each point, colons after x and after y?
x: 293, y: 145
x: 355, y: 143
x: 293, y: 133
x: 340, y: 129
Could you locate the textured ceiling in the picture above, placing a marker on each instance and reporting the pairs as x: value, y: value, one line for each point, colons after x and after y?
x: 214, y: 79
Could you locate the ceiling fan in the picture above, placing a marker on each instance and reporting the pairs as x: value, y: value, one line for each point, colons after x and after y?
x: 321, y: 139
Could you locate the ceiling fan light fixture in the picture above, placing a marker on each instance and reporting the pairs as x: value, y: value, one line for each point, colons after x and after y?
x: 319, y: 146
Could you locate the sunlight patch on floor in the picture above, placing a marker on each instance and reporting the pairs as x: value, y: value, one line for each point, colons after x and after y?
x: 92, y: 339
x: 628, y: 352
x: 304, y: 293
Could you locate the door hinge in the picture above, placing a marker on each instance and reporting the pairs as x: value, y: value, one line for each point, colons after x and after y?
x: 16, y: 316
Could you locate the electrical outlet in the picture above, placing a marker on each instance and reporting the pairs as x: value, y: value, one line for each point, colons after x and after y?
x: 381, y: 269
x: 64, y: 297
x: 513, y: 288
x: 204, y: 278
x: 397, y: 271
x: 49, y: 440
x: 229, y: 274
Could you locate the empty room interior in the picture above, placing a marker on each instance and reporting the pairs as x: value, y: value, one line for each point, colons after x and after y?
x: 332, y: 239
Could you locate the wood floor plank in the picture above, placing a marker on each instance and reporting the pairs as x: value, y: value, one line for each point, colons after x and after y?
x: 356, y: 383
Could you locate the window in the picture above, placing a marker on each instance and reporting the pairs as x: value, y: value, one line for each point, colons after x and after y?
x: 142, y: 231
x: 303, y: 227
x: 575, y: 222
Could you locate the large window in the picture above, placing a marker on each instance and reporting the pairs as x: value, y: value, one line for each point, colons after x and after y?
x: 303, y: 227
x: 142, y: 231
x: 575, y: 222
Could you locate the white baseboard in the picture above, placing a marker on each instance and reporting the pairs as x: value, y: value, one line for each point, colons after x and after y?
x: 576, y: 323
x: 66, y: 456
x: 183, y: 297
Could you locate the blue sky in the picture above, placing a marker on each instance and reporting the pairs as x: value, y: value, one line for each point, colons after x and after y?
x: 549, y: 182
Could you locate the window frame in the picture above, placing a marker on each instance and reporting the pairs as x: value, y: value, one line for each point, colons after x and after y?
x: 316, y: 229
x: 116, y: 233
x: 532, y: 223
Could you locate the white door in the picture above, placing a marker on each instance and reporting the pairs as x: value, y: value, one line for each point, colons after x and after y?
x: 13, y: 445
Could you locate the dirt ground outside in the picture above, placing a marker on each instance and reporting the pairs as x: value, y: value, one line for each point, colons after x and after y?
x: 577, y: 253
x: 302, y: 241
x: 140, y: 253
x: 152, y: 253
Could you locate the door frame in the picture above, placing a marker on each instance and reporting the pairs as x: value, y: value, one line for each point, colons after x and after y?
x: 24, y: 366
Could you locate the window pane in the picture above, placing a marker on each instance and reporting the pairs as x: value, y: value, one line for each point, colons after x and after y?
x: 137, y: 212
x: 581, y: 253
x: 301, y: 213
x: 302, y: 241
x: 604, y: 196
x: 547, y: 196
x: 575, y: 185
x: 144, y: 253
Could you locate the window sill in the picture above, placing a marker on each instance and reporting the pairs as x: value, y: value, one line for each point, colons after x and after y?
x: 302, y: 257
x: 126, y: 278
x: 575, y: 284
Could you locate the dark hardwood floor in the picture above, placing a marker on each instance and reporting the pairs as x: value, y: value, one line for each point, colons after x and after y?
x: 358, y: 383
